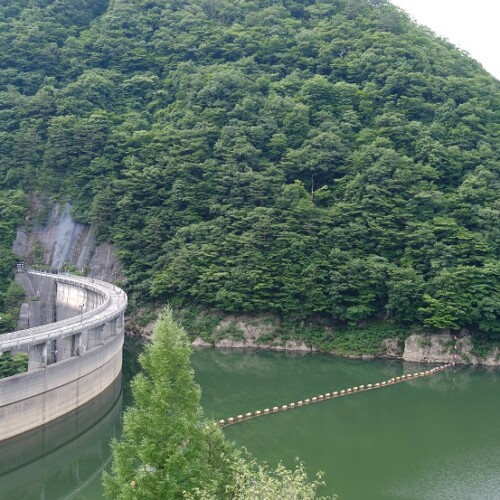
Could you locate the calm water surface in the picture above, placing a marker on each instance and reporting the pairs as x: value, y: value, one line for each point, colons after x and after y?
x: 432, y: 438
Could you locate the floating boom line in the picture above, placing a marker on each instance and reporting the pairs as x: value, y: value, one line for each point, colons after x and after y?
x: 336, y: 394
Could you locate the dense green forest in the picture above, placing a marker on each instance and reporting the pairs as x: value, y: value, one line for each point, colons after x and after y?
x: 12, y: 209
x: 308, y: 158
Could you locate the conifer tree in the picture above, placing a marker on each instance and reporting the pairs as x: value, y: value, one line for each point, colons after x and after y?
x: 167, y: 448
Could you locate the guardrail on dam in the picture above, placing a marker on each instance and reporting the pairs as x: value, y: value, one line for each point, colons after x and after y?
x: 72, y: 360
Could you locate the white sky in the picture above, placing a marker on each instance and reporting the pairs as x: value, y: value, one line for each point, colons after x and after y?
x: 472, y: 25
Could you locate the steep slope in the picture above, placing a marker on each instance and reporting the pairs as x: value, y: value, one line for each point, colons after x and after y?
x: 314, y: 157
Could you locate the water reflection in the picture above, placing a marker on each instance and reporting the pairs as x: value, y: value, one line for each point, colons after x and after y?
x: 65, y: 458
x: 429, y: 438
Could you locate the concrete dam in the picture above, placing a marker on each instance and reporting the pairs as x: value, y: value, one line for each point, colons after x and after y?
x: 74, y: 346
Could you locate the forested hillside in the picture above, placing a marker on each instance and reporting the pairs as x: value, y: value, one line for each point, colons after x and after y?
x: 12, y: 208
x: 300, y: 157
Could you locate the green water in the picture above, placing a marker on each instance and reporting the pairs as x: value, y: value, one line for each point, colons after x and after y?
x: 65, y: 460
x: 431, y: 438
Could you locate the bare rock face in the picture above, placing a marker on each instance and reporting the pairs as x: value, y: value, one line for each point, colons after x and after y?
x: 493, y: 358
x: 429, y: 348
x: 440, y: 349
x: 199, y: 342
x: 104, y: 264
x: 64, y: 242
x: 245, y: 330
x: 61, y: 240
x: 231, y: 343
x: 289, y: 345
x: 392, y: 348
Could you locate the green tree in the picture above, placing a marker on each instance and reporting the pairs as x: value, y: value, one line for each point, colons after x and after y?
x: 167, y: 447
x: 13, y: 364
x: 169, y: 451
x: 170, y: 125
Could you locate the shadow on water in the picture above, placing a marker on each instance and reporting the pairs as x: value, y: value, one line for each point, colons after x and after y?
x: 53, y: 461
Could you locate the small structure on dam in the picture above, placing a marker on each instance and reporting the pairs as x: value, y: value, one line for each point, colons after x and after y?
x: 71, y: 360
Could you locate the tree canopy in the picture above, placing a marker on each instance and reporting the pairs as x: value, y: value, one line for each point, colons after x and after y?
x: 301, y: 157
x: 12, y: 209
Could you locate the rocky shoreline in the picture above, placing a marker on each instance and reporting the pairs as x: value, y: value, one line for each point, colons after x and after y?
x: 417, y: 349
x: 246, y: 332
x: 440, y: 349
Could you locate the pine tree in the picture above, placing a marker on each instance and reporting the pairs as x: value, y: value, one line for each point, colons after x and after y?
x: 167, y: 448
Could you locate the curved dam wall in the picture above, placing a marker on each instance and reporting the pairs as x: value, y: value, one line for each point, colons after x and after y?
x: 71, y: 361
x: 50, y: 301
x: 73, y: 300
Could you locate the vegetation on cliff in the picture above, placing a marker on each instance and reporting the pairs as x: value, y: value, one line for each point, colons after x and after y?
x: 317, y: 157
x: 13, y: 364
x: 12, y: 210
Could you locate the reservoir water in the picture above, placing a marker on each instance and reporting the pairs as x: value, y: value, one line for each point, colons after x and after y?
x: 431, y: 438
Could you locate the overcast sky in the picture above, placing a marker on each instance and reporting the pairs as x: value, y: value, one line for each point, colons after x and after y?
x: 472, y: 25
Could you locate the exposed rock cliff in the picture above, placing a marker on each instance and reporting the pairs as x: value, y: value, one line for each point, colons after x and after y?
x: 245, y: 331
x: 440, y: 349
x: 64, y: 242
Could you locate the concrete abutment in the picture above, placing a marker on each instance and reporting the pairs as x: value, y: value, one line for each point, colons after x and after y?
x: 72, y: 360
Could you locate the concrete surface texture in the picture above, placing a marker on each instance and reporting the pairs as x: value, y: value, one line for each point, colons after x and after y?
x: 71, y: 361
